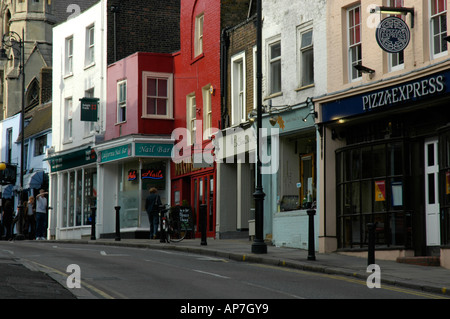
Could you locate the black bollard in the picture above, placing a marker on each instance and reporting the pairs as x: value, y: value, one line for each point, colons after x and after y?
x: 203, y: 223
x: 93, y: 209
x: 371, y: 248
x: 311, y: 248
x: 117, y: 208
x: 162, y: 232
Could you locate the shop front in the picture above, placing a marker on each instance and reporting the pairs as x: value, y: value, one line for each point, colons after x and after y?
x: 385, y: 155
x: 128, y: 168
x: 73, y: 193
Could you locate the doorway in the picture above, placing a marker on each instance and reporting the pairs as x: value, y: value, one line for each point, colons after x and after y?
x: 203, y: 188
x: 432, y: 192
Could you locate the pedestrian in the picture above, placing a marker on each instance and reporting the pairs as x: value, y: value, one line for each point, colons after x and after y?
x: 41, y: 215
x: 152, y: 203
x: 29, y: 220
x: 7, y: 218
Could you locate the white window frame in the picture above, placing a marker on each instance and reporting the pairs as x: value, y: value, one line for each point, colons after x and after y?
x: 121, y: 104
x: 434, y: 34
x: 198, y: 41
x: 207, y: 107
x: 68, y: 65
x: 272, y: 60
x: 396, y: 57
x: 191, y: 115
x: 238, y: 89
x: 301, y: 30
x: 162, y: 76
x: 350, y: 46
x: 68, y: 119
x: 90, y: 46
x: 255, y: 91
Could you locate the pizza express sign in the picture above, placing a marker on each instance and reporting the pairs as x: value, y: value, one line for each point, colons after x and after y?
x: 405, y: 93
x: 393, y: 35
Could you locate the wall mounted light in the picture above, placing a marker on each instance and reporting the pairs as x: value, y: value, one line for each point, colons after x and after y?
x: 395, y: 11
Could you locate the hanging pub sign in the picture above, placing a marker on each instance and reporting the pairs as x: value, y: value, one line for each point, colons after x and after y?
x: 393, y: 34
x: 89, y: 109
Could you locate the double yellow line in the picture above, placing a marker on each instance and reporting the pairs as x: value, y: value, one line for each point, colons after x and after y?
x: 357, y: 281
x: 83, y: 283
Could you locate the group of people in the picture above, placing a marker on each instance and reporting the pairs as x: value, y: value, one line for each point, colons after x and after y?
x: 34, y: 217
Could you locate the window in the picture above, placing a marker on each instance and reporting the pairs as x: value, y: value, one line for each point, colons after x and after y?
x: 306, y: 58
x: 191, y: 112
x: 9, y: 138
x: 207, y: 111
x: 275, y: 67
x: 89, y: 46
x: 396, y: 60
x: 198, y: 42
x: 69, y: 56
x: 438, y: 28
x: 68, y: 120
x: 157, y: 95
x: 122, y: 101
x: 354, y: 42
x: 238, y: 105
x: 39, y: 145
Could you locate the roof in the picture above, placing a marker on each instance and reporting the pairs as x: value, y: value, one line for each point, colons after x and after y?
x: 40, y: 120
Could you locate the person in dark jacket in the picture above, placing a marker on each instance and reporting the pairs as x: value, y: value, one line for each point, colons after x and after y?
x: 152, y: 203
x: 7, y: 218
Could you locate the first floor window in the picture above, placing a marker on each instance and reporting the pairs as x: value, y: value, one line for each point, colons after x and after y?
x: 307, y: 58
x: 438, y: 27
x: 238, y: 85
x: 191, y: 116
x: 157, y: 95
x: 354, y: 42
x: 275, y: 67
x: 68, y: 119
x: 122, y: 101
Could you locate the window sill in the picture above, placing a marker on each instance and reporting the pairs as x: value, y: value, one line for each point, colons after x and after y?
x: 89, y: 66
x: 68, y: 75
x: 120, y: 123
x: 155, y: 117
x: 301, y: 88
x: 273, y: 95
x: 68, y: 141
x: 198, y: 57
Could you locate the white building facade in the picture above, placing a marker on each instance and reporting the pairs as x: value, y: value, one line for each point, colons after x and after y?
x: 294, y: 72
x: 79, y: 72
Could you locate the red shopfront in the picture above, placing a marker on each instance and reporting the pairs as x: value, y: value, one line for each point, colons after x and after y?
x: 194, y: 187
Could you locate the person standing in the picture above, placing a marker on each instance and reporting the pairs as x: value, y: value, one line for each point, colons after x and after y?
x: 41, y: 215
x: 29, y: 225
x: 7, y: 218
x: 152, y: 203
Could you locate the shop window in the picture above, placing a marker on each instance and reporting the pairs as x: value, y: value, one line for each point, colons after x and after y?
x: 370, y: 188
x: 354, y: 42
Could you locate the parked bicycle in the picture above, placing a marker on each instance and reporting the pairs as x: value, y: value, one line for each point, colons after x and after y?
x: 173, y: 225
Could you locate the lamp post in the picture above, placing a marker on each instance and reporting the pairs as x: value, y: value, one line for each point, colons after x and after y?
x: 259, y: 246
x: 14, y: 41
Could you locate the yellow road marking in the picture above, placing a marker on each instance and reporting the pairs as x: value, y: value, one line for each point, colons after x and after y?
x: 356, y: 281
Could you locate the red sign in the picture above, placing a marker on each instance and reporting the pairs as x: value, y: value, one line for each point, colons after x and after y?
x: 152, y: 174
x: 132, y: 175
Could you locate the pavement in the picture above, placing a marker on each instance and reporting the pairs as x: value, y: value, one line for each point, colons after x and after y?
x: 25, y: 282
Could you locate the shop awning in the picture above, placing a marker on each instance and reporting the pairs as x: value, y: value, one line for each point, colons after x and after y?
x: 33, y: 180
x: 7, y: 191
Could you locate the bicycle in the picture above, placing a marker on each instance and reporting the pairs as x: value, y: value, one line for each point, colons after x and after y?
x: 175, y: 227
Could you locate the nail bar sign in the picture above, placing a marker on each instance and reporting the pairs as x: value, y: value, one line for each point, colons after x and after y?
x: 152, y: 174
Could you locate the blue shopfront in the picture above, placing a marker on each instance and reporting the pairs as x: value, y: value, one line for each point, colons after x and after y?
x: 386, y: 156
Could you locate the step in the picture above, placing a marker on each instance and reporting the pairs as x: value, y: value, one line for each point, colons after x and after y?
x: 420, y: 260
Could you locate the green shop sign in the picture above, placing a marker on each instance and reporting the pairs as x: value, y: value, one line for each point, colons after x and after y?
x: 89, y: 109
x: 153, y: 150
x: 115, y: 153
x: 73, y: 159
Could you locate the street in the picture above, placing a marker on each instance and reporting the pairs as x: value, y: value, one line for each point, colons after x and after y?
x: 110, y: 272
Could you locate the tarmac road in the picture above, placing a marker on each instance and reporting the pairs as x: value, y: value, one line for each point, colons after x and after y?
x: 110, y: 272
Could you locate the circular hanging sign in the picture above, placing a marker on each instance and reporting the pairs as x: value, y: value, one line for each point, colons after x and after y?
x: 393, y: 34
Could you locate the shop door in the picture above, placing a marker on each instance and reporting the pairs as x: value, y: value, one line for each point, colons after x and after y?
x: 203, y: 193
x: 432, y: 192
